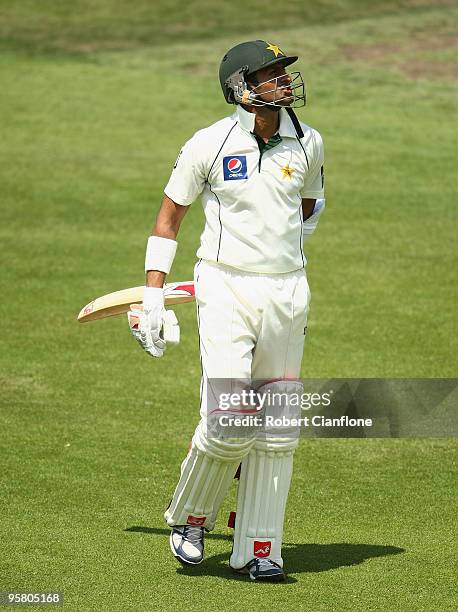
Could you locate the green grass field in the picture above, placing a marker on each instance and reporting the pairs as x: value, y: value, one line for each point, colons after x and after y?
x: 96, y: 102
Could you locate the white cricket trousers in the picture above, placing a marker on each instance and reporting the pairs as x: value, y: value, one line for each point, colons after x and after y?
x: 251, y: 326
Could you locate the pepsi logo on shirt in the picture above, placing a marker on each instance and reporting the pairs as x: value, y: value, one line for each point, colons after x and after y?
x: 235, y: 168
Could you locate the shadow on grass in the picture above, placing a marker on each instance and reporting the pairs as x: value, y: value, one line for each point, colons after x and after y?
x: 298, y: 558
x: 324, y: 557
x: 166, y: 532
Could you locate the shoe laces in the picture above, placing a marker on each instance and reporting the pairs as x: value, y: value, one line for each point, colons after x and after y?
x: 193, y: 534
x: 266, y: 564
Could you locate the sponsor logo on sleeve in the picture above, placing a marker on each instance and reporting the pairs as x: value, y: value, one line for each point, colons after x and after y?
x: 235, y: 168
x: 262, y: 549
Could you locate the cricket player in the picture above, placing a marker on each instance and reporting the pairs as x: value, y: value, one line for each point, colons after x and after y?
x: 259, y: 173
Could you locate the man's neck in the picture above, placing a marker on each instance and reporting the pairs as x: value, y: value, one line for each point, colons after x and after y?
x: 266, y: 123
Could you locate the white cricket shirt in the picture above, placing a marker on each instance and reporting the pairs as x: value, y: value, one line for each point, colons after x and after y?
x: 252, y: 202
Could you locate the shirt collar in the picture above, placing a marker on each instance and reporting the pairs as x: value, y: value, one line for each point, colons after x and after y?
x: 246, y: 122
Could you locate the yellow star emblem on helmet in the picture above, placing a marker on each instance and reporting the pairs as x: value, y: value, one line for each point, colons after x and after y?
x: 287, y: 171
x: 275, y: 49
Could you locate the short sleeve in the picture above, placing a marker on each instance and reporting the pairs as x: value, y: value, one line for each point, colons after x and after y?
x: 314, y: 179
x: 187, y: 180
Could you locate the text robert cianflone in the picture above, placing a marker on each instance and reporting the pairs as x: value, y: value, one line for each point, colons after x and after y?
x: 228, y: 420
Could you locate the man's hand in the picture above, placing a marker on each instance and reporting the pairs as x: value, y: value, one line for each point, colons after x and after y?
x: 147, y: 331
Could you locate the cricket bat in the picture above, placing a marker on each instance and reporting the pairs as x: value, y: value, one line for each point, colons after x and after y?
x: 119, y: 302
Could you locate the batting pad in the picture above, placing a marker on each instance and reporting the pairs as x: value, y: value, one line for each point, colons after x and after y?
x: 264, y: 483
x: 206, y: 475
x: 265, y: 478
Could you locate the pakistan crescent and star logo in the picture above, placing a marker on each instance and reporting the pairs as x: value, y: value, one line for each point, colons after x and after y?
x: 287, y: 171
x: 275, y: 49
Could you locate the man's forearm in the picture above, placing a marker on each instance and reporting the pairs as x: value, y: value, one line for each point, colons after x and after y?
x: 154, y: 278
x: 167, y: 226
x: 163, y: 228
x: 307, y: 207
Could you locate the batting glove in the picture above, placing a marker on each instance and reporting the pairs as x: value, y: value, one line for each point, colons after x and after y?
x: 146, y: 324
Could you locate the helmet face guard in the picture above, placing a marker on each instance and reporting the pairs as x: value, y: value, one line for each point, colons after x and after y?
x: 251, y: 96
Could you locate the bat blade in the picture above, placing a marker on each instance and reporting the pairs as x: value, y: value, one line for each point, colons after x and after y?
x: 119, y: 302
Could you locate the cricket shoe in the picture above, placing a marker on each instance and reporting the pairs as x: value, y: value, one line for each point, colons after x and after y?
x: 263, y: 569
x: 187, y: 544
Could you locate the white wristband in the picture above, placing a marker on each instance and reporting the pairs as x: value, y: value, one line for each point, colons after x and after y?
x: 160, y: 253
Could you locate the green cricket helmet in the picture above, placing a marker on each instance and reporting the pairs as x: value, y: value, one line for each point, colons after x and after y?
x: 245, y: 59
